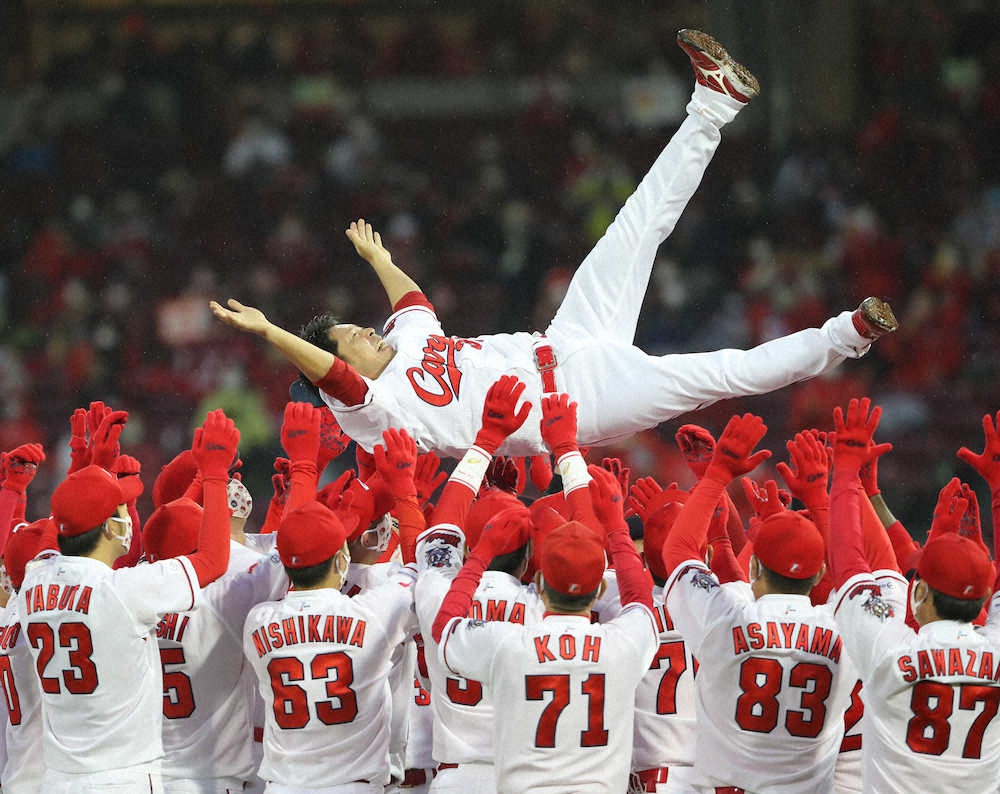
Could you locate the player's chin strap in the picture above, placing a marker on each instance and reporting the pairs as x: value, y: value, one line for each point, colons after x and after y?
x: 545, y: 361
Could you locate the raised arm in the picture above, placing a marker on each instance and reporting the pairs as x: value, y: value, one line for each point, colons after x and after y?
x: 368, y: 244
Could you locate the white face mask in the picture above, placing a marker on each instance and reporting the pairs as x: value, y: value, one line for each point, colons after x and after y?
x: 914, y: 604
x: 377, y: 537
x: 126, y: 539
x: 5, y: 583
x: 343, y: 562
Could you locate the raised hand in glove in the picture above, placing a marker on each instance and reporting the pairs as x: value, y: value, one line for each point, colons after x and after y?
x: 396, y: 462
x: 986, y: 463
x: 214, y: 446
x: 807, y: 476
x: 853, y: 446
x: 501, y: 416
x: 300, y: 432
x: 559, y: 424
x: 734, y: 453
x: 697, y: 446
x: 21, y: 465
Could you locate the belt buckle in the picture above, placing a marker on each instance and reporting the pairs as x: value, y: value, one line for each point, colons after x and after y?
x: 547, y: 366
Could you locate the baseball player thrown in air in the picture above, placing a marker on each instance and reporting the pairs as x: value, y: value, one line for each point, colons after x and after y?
x: 322, y: 659
x: 416, y: 377
x: 464, y: 713
x: 932, y: 695
x: 567, y: 686
x: 772, y: 686
x: 91, y: 629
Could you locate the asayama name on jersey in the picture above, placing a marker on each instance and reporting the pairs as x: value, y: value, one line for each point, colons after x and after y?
x: 307, y: 628
x: 72, y: 598
x: 566, y: 646
x: 170, y: 628
x: 793, y: 636
x: 941, y: 662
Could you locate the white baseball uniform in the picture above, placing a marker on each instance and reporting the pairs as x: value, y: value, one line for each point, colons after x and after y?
x: 434, y: 386
x: 23, y: 769
x: 360, y: 578
x: 207, y: 729
x: 464, y: 715
x: 931, y: 695
x: 419, y: 741
x: 568, y: 691
x: 90, y: 630
x: 771, y: 689
x: 847, y: 777
x: 322, y: 661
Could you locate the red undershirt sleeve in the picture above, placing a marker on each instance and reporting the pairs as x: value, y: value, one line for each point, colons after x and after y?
x: 343, y: 383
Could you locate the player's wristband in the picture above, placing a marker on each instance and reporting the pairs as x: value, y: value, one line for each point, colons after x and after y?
x: 573, y: 470
x: 471, y: 470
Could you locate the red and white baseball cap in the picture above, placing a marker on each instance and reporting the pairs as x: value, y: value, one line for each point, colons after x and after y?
x: 22, y: 547
x: 956, y: 566
x: 309, y: 535
x: 573, y: 559
x: 790, y: 544
x: 172, y: 530
x: 88, y: 498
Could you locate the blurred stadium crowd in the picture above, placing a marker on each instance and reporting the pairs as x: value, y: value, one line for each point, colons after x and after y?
x: 147, y: 167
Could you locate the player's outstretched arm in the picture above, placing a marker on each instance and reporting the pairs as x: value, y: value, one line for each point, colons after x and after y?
x: 368, y: 243
x: 312, y: 361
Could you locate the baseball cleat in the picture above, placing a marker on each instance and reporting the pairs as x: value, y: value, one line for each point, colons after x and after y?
x: 874, y: 318
x: 715, y: 68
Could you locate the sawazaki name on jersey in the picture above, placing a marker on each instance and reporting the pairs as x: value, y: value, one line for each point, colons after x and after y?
x: 302, y: 629
x: 940, y: 662
x: 793, y: 636
x: 63, y: 597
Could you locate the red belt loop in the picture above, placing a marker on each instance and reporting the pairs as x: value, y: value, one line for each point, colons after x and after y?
x: 729, y: 790
x: 258, y: 734
x: 417, y: 777
x: 649, y: 778
x: 545, y: 360
x: 442, y: 767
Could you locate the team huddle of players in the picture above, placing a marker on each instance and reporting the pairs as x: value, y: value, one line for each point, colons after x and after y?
x: 376, y: 635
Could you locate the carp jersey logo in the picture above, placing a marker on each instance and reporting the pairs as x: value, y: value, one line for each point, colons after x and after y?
x: 700, y: 579
x: 873, y: 603
x: 438, y: 380
x: 439, y: 556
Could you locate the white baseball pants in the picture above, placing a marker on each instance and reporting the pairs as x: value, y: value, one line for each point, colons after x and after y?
x: 466, y: 778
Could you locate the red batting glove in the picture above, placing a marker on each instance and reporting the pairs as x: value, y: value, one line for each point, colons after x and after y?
x: 853, y: 446
x: 504, y: 474
x: 697, y: 446
x: 21, y: 465
x: 949, y: 510
x: 501, y: 418
x: 79, y: 451
x: 215, y: 445
x: 280, y: 479
x: 300, y: 432
x: 104, y: 447
x: 365, y: 461
x: 541, y: 472
x: 428, y: 476
x: 765, y: 502
x: 508, y: 529
x: 644, y: 489
x: 807, y: 476
x: 559, y: 424
x: 396, y: 461
x: 970, y: 526
x: 606, y: 497
x: 622, y: 472
x: 331, y: 494
x: 734, y: 453
x: 987, y: 463
x: 332, y: 439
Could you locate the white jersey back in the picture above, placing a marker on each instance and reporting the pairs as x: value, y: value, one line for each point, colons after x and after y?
x: 931, y: 697
x: 567, y: 687
x: 24, y: 766
x: 665, y: 700
x: 322, y: 661
x: 90, y: 632
x: 772, y: 686
x: 463, y: 713
x: 437, y: 383
x: 206, y: 703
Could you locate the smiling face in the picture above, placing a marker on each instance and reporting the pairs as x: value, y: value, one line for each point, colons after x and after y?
x: 362, y: 348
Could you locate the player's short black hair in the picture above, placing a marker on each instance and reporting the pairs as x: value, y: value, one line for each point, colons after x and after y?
x: 317, y: 332
x: 560, y: 602
x: 510, y: 562
x: 785, y: 584
x: 310, y: 576
x: 960, y: 609
x: 80, y: 545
